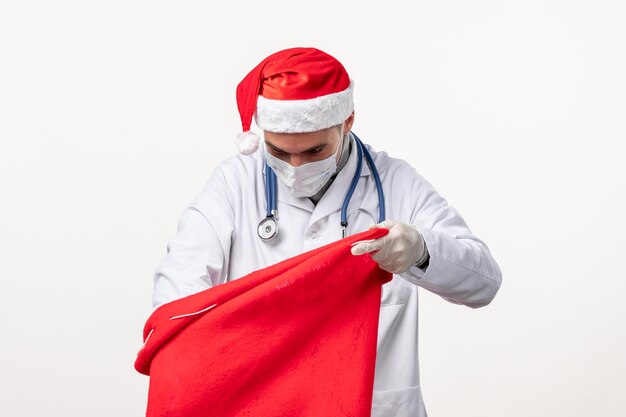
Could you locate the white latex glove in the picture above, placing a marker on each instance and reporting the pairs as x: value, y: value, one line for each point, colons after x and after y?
x: 398, y: 250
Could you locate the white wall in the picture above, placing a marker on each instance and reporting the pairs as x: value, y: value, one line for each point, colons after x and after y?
x: 114, y: 114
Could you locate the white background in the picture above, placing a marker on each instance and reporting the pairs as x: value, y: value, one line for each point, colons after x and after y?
x: 114, y: 114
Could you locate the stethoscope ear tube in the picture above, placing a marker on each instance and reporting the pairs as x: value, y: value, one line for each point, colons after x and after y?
x: 273, y: 209
x: 268, y: 187
x: 268, y: 227
x: 379, y: 184
x: 355, y: 180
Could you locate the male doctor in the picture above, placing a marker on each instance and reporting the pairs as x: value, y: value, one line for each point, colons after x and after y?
x: 302, y: 100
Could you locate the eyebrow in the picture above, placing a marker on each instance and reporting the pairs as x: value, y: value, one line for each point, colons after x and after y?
x: 321, y: 145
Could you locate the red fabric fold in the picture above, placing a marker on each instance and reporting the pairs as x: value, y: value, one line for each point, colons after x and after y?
x: 297, y: 338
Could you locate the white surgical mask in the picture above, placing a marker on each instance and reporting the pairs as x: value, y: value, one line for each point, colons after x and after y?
x: 307, y: 179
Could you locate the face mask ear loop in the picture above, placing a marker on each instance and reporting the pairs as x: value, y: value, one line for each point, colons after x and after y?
x: 340, y: 149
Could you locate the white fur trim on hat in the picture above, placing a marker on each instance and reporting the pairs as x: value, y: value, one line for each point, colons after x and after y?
x: 298, y: 116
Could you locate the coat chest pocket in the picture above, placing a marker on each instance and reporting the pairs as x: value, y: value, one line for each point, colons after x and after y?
x: 395, y: 292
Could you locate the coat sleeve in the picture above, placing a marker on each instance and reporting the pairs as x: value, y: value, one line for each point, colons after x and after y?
x: 197, y: 255
x: 461, y: 268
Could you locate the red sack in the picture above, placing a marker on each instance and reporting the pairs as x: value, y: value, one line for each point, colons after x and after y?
x: 297, y: 338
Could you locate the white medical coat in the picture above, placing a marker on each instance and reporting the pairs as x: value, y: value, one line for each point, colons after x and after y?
x: 221, y: 223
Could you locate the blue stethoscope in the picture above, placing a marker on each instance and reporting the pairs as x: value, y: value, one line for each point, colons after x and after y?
x: 268, y: 227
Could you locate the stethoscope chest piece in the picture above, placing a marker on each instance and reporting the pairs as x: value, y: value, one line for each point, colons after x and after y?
x: 268, y: 228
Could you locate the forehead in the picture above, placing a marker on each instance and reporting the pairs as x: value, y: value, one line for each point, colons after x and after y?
x: 300, y: 142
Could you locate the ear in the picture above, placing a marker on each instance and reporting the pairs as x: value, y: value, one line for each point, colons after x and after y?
x: 347, y: 124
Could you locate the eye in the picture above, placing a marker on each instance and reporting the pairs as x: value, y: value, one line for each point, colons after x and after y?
x: 314, y: 151
x: 276, y: 151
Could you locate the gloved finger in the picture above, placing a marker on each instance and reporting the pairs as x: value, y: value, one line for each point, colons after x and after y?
x: 385, y: 224
x: 384, y: 257
x: 384, y: 253
x: 365, y: 246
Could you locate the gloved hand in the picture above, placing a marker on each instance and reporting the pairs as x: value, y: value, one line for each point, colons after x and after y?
x: 398, y: 250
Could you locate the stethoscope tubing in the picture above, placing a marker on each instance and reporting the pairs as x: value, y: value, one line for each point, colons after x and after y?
x: 353, y: 184
x: 379, y: 184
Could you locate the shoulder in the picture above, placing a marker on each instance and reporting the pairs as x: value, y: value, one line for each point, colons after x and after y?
x: 241, y: 164
x: 395, y: 169
x: 403, y: 184
x: 239, y: 169
x: 231, y: 178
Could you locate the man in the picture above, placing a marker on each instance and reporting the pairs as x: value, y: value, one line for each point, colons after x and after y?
x: 302, y: 100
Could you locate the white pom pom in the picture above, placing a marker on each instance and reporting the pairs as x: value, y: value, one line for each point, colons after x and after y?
x: 247, y: 142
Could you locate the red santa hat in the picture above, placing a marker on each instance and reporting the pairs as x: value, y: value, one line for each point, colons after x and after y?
x: 295, y: 90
